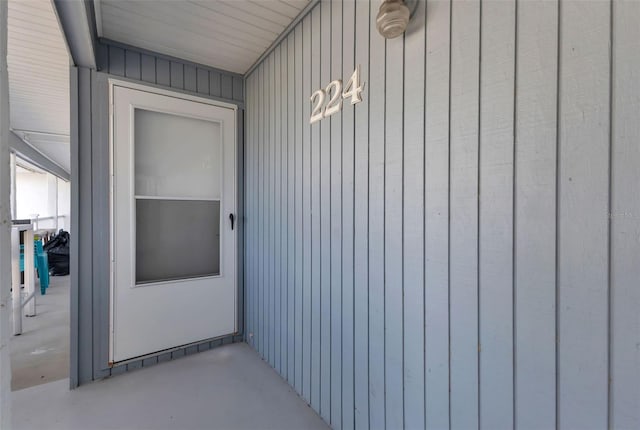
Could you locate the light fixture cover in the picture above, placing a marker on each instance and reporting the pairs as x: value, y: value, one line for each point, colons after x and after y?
x: 393, y: 18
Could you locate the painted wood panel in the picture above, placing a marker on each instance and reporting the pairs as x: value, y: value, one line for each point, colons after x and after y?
x: 252, y: 237
x: 291, y: 206
x: 436, y: 213
x: 624, y: 217
x: 132, y: 65
x: 282, y: 209
x: 583, y: 223
x: 307, y: 88
x: 315, y: 237
x: 446, y: 229
x: 270, y: 198
x: 413, y: 227
x: 393, y: 236
x: 162, y: 72
x: 272, y: 202
x: 277, y: 201
x: 463, y: 215
x: 177, y: 75
x: 190, y: 78
x: 361, y: 221
x: 495, y: 214
x: 249, y: 189
x: 347, y: 242
x: 100, y: 200
x: 299, y: 124
x: 535, y: 214
x: 139, y: 64
x: 258, y: 326
x: 325, y: 222
x: 335, y: 175
x: 82, y: 82
x: 260, y: 168
x: 376, y: 94
x: 265, y: 318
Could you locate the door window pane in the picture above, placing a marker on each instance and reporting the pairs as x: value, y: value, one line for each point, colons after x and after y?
x: 176, y: 156
x: 176, y: 239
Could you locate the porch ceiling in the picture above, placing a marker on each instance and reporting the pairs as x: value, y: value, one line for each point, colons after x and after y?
x: 38, y: 65
x: 226, y: 34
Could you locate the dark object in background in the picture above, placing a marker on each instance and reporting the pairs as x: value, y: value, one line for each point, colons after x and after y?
x: 57, y: 250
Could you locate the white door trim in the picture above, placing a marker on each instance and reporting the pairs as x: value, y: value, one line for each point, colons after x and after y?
x: 113, y: 83
x: 164, y: 92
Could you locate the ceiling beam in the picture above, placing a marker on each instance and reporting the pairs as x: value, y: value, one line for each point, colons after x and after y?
x: 97, y: 9
x: 35, y: 157
x: 76, y: 20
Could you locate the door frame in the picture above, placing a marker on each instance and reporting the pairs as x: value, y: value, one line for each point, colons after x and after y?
x: 239, y: 207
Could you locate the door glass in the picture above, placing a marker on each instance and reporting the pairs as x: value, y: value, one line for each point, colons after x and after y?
x: 176, y: 156
x: 177, y: 239
x: 177, y: 191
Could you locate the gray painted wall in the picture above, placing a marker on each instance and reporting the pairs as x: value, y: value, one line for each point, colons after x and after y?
x: 462, y: 248
x: 145, y: 66
x: 90, y: 195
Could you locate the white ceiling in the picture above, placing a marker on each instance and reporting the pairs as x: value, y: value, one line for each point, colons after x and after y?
x: 226, y: 34
x: 38, y: 65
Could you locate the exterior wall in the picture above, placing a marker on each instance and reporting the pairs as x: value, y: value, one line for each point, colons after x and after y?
x: 141, y: 65
x: 43, y: 194
x: 90, y: 194
x: 462, y: 248
x: 32, y: 195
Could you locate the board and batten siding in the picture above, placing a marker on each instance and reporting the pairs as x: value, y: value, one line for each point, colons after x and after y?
x: 90, y: 186
x: 149, y: 67
x: 462, y: 248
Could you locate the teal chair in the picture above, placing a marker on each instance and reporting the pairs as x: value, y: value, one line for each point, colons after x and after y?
x: 41, y: 263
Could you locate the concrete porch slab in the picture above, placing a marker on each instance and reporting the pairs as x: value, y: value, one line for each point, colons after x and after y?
x: 41, y: 353
x: 229, y: 387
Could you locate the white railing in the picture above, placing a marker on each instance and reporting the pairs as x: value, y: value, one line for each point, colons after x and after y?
x: 29, y: 303
x: 38, y: 222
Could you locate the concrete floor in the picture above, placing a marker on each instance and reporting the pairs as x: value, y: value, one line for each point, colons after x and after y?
x: 41, y: 353
x: 229, y: 387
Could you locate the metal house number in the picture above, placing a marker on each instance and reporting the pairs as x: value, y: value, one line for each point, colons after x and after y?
x: 335, y: 92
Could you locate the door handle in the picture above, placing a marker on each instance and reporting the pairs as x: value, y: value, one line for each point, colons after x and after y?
x: 231, y: 218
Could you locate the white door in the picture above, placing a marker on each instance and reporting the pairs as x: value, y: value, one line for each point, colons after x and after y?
x: 173, y: 279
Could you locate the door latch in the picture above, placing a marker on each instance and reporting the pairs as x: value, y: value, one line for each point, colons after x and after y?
x: 231, y: 218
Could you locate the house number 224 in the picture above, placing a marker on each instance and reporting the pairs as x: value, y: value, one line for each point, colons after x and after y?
x: 336, y: 94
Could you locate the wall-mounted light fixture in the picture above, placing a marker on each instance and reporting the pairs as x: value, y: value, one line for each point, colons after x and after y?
x: 393, y: 17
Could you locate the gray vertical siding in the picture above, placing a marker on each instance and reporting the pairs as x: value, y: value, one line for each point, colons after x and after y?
x: 624, y: 207
x: 583, y: 185
x: 535, y: 230
x: 436, y: 212
x: 141, y: 65
x: 90, y: 206
x: 462, y: 248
